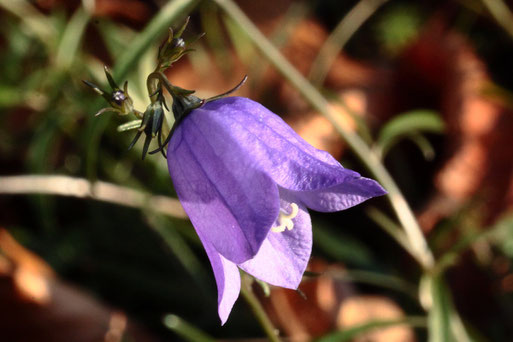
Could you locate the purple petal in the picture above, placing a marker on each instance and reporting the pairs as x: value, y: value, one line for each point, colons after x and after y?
x: 341, y: 196
x: 230, y: 202
x: 283, y: 257
x: 227, y: 279
x: 290, y: 161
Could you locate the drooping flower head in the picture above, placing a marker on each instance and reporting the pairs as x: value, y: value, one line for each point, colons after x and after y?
x: 246, y: 179
x: 243, y: 176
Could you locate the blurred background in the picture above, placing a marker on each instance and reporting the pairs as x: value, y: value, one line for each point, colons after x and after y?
x: 94, y: 246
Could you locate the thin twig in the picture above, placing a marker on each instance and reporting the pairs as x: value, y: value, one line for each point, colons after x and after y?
x: 82, y: 188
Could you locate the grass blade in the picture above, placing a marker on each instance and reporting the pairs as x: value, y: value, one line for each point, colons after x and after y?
x: 184, y: 329
x: 407, y: 123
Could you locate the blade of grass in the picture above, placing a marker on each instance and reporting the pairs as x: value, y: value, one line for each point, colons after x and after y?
x: 390, y: 227
x: 186, y: 330
x: 438, y: 320
x: 444, y: 322
x: 406, y: 124
x: 424, y: 145
x: 72, y: 38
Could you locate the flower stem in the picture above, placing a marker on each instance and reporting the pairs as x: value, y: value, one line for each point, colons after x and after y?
x: 368, y: 157
x: 259, y: 312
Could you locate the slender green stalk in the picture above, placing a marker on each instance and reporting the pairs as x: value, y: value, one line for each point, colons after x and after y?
x: 187, y: 331
x: 258, y: 310
x: 345, y: 29
x: 72, y: 37
x: 390, y: 227
x: 368, y: 157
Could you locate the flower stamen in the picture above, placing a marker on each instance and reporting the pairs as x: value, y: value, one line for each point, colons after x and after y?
x: 285, y: 220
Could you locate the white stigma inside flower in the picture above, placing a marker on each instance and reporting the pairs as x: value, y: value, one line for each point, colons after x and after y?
x: 285, y: 220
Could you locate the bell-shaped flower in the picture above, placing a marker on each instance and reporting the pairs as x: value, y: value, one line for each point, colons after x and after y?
x: 246, y: 179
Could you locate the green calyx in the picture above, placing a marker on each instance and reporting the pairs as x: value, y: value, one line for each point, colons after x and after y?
x: 152, y: 121
x: 175, y: 47
x: 119, y: 100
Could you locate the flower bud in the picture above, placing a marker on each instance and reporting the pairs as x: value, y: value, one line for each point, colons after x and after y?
x: 119, y: 100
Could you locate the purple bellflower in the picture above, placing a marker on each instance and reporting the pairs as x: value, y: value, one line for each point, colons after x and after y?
x: 243, y: 176
x: 246, y: 179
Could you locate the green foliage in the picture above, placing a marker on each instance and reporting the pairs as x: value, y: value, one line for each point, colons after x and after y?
x: 410, y: 125
x: 501, y: 234
x: 184, y: 329
x: 444, y: 323
x: 398, y: 26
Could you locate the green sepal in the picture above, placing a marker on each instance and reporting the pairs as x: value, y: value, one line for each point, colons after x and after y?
x: 110, y: 79
x: 118, y: 99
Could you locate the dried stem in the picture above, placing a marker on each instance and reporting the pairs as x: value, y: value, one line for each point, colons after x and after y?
x: 82, y: 188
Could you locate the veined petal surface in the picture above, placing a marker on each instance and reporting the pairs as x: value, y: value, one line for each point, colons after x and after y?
x: 283, y: 257
x: 227, y: 280
x: 347, y: 194
x: 274, y: 147
x: 230, y: 203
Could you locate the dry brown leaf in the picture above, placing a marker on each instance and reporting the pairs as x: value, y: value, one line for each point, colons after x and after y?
x: 331, y: 304
x: 358, y: 310
x: 37, y: 306
x: 303, y: 319
x: 132, y: 10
